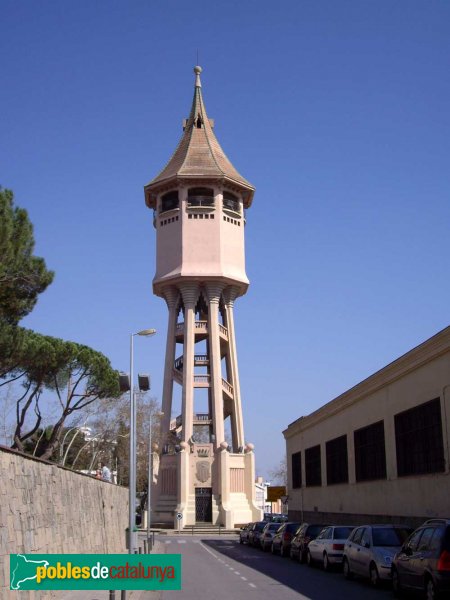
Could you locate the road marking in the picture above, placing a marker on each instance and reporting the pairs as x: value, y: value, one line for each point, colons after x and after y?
x: 243, y: 578
x: 252, y: 585
x: 168, y: 542
x: 237, y: 573
x: 181, y: 541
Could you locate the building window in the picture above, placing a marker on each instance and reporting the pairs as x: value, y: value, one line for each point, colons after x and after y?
x: 337, y: 460
x: 169, y: 201
x: 418, y: 439
x: 370, y: 454
x: 200, y: 197
x: 231, y: 202
x: 313, y: 468
x: 296, y: 464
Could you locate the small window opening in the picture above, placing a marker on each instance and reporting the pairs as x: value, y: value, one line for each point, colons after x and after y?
x: 199, y: 122
x: 200, y: 197
x: 169, y: 201
x: 231, y: 202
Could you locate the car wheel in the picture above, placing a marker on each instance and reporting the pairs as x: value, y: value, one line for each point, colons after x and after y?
x: 326, y: 562
x: 346, y: 568
x: 309, y: 560
x: 430, y: 590
x: 282, y: 551
x: 240, y: 541
x: 272, y: 548
x: 374, y: 576
x: 396, y: 586
x: 302, y: 556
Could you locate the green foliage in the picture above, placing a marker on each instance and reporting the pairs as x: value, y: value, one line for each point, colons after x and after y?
x: 22, y: 275
x: 77, y: 374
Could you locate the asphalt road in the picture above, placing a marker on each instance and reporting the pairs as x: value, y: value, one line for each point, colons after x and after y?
x: 222, y: 569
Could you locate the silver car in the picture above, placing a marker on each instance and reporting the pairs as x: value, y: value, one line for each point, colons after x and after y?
x: 267, y: 534
x: 370, y: 549
x: 328, y: 547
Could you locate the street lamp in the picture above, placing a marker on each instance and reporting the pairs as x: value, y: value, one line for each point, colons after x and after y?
x: 132, y: 545
x: 150, y: 475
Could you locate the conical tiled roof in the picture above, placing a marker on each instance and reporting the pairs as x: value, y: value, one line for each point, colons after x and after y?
x: 198, y: 153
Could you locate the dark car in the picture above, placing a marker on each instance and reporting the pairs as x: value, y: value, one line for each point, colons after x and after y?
x: 305, y: 533
x: 243, y: 534
x: 281, y: 542
x: 255, y: 533
x: 423, y: 563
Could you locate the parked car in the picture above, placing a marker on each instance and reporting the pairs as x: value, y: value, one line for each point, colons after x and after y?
x: 370, y: 549
x: 267, y: 534
x: 423, y: 563
x: 255, y: 532
x: 328, y: 547
x: 281, y: 542
x: 243, y: 534
x: 305, y: 533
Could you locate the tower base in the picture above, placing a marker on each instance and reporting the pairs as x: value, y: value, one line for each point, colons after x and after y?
x: 204, y: 486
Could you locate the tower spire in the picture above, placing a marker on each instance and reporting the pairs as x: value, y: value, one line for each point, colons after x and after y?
x: 198, y: 154
x: 197, y: 71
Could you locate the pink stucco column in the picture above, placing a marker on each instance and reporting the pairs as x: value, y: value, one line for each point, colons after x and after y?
x: 171, y: 296
x: 189, y: 291
x: 214, y: 291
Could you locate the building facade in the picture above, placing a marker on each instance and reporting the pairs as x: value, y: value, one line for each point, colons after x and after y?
x: 380, y: 451
x: 206, y: 469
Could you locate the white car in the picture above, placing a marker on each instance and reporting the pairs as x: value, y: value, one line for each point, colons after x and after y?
x: 328, y: 547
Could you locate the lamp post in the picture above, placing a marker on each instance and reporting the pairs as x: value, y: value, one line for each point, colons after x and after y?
x: 132, y: 476
x: 150, y: 476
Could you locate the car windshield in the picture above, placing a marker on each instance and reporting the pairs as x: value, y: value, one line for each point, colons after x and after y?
x: 273, y: 527
x: 389, y: 536
x: 260, y: 526
x: 314, y: 530
x: 292, y: 527
x: 342, y: 533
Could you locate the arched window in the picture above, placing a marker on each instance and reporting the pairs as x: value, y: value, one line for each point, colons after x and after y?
x: 200, y: 197
x: 231, y: 202
x: 169, y: 201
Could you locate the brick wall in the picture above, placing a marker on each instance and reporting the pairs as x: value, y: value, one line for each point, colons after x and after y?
x: 49, y: 509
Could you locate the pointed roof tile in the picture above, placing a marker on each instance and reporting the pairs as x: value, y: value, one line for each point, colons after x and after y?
x: 198, y: 153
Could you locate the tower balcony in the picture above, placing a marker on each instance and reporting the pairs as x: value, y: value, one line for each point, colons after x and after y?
x: 199, y: 419
x: 201, y: 331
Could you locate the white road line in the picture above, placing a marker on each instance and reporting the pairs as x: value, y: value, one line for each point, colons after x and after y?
x: 252, y: 585
x: 237, y: 573
x: 168, y: 542
x: 243, y: 578
x: 181, y: 541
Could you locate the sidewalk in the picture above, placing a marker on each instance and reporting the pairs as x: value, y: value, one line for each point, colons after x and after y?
x: 159, y: 548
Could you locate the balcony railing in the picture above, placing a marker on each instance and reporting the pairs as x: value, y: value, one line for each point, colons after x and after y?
x: 227, y: 386
x: 201, y: 378
x: 195, y: 201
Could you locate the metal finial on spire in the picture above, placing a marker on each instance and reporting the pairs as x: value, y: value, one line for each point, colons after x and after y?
x: 197, y: 71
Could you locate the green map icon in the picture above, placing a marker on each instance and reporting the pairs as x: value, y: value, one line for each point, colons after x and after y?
x: 23, y: 569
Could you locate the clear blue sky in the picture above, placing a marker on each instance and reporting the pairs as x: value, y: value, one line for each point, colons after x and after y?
x: 338, y: 113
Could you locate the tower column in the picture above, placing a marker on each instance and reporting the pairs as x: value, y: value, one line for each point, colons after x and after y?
x: 214, y: 291
x: 189, y: 292
x: 237, y: 423
x: 171, y: 296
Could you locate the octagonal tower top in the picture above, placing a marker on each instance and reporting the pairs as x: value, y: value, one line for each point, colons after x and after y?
x: 198, y: 155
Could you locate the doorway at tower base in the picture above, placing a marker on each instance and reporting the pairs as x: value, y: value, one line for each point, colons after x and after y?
x: 205, y: 485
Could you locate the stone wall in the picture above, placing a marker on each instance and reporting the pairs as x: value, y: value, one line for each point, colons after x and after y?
x: 45, y: 508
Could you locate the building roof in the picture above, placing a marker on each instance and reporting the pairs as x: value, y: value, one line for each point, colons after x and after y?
x: 434, y: 347
x: 199, y: 154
